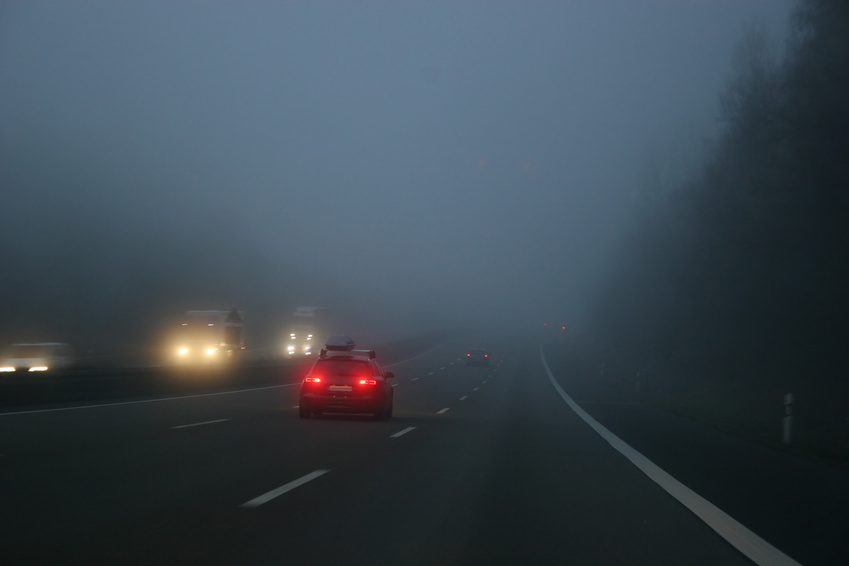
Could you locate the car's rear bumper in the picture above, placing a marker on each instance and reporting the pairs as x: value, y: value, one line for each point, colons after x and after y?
x: 342, y: 404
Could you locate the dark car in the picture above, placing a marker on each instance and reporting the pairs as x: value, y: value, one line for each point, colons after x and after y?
x: 348, y: 381
x: 477, y: 357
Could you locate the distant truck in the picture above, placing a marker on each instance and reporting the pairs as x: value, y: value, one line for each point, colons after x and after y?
x: 303, y: 334
x: 42, y: 356
x: 209, y: 337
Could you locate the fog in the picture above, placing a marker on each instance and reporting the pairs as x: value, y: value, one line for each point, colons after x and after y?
x: 410, y: 166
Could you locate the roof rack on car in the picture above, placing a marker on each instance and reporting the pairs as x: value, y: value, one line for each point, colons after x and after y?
x: 339, y: 342
x: 343, y: 345
x: 325, y: 353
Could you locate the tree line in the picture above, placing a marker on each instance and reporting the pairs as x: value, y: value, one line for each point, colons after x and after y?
x: 743, y: 268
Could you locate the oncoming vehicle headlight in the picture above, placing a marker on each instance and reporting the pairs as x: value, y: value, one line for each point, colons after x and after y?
x: 210, y: 351
x: 182, y: 351
x: 38, y: 368
x: 291, y: 349
x: 7, y: 368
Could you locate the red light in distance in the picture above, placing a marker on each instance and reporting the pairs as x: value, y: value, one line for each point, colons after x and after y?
x: 312, y: 380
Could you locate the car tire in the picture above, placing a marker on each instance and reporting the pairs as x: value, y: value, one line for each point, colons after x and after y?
x: 380, y: 413
x: 304, y: 411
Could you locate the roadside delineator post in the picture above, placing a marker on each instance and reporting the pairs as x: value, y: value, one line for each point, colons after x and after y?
x: 787, y: 421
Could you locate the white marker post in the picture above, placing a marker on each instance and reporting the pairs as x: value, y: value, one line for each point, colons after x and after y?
x: 787, y: 422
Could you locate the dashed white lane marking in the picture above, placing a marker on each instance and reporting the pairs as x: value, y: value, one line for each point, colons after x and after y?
x: 266, y: 497
x: 439, y: 412
x: 442, y: 368
x: 754, y: 547
x: 414, y: 379
x: 464, y: 397
x: 402, y: 432
x: 475, y: 388
x: 78, y: 407
x: 451, y: 363
x: 430, y: 373
x: 201, y: 424
x: 394, y: 385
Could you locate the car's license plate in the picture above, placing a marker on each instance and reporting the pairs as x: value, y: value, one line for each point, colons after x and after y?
x: 339, y: 388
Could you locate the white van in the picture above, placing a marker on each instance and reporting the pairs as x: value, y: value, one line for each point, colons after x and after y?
x: 43, y: 356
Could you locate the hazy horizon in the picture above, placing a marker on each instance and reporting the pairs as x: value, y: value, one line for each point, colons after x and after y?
x: 414, y: 163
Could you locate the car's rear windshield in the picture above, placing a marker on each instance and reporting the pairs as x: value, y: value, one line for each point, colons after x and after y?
x: 336, y: 366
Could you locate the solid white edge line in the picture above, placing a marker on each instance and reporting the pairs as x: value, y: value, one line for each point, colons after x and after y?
x: 439, y: 412
x: 201, y: 424
x: 140, y: 401
x: 266, y: 497
x: 751, y: 545
x: 402, y: 432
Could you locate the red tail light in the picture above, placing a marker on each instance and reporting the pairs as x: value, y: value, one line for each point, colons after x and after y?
x: 368, y: 382
x: 486, y: 355
x: 312, y: 379
x: 468, y: 355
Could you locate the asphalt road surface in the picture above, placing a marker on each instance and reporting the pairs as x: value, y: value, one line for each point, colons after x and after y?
x: 478, y: 466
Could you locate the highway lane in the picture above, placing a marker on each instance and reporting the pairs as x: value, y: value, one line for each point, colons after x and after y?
x: 70, y: 469
x: 797, y: 504
x: 506, y: 474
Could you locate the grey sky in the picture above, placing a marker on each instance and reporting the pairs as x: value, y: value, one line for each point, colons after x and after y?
x: 474, y: 153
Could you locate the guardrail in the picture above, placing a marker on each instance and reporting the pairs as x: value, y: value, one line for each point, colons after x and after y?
x: 93, y: 385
